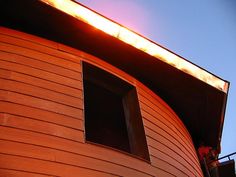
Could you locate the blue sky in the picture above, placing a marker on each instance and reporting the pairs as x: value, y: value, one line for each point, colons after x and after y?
x: 202, y: 31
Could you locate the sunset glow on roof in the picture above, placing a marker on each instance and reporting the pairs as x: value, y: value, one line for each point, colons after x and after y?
x: 86, y: 15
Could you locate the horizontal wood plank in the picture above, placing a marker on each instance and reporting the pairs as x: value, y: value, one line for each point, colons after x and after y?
x: 6, y: 74
x: 42, y: 65
x: 42, y: 127
x: 168, y: 115
x: 66, y: 158
x: 165, y: 165
x: 170, y: 151
x: 20, y: 173
x: 169, y: 141
x: 59, y: 58
x: 39, y: 114
x: 167, y: 118
x: 34, y: 91
x: 47, y: 167
x: 154, y: 101
x: 150, y: 95
x: 35, y: 81
x: 178, y: 163
x: 152, y: 130
x: 41, y: 104
x: 154, y: 122
x: 93, y: 151
x: 41, y: 74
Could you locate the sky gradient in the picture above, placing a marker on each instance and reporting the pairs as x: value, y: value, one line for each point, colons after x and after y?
x: 203, y: 32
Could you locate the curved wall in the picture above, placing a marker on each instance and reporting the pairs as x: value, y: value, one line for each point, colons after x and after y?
x: 41, y: 118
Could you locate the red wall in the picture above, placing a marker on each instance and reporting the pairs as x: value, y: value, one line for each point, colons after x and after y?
x: 42, y: 123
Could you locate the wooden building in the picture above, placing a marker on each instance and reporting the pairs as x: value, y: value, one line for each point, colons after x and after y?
x: 81, y: 95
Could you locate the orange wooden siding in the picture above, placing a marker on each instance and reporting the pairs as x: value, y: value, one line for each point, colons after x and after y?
x: 42, y: 122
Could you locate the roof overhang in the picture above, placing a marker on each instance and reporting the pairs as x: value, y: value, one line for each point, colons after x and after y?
x: 197, y: 96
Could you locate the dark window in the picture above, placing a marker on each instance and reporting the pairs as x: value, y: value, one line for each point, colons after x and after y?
x: 112, y: 114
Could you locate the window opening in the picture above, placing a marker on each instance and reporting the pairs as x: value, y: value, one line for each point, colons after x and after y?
x: 112, y: 113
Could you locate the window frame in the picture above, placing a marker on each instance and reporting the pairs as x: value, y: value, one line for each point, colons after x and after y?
x: 130, y: 102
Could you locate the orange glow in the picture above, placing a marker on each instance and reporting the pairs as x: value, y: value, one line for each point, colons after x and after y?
x: 82, y: 13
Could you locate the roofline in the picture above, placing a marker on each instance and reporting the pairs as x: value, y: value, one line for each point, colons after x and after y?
x: 134, y: 39
x: 222, y: 121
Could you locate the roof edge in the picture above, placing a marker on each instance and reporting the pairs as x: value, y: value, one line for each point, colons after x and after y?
x: 132, y: 38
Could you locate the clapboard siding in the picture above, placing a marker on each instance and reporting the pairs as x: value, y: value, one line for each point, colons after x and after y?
x: 153, y: 116
x: 39, y: 82
x: 40, y: 103
x: 161, y: 156
x: 178, y: 143
x: 51, y: 142
x: 71, y: 153
x: 40, y: 74
x: 41, y: 126
x: 26, y: 89
x: 67, y: 158
x: 38, y: 51
x: 39, y: 114
x: 173, y: 136
x: 45, y: 66
x: 153, y: 129
x: 179, y: 162
x: 165, y: 143
x: 168, y: 167
x: 42, y: 120
x: 50, y: 168
x: 156, y: 105
x: 19, y: 173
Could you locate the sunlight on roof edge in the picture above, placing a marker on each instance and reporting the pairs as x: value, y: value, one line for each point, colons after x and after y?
x: 88, y: 16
